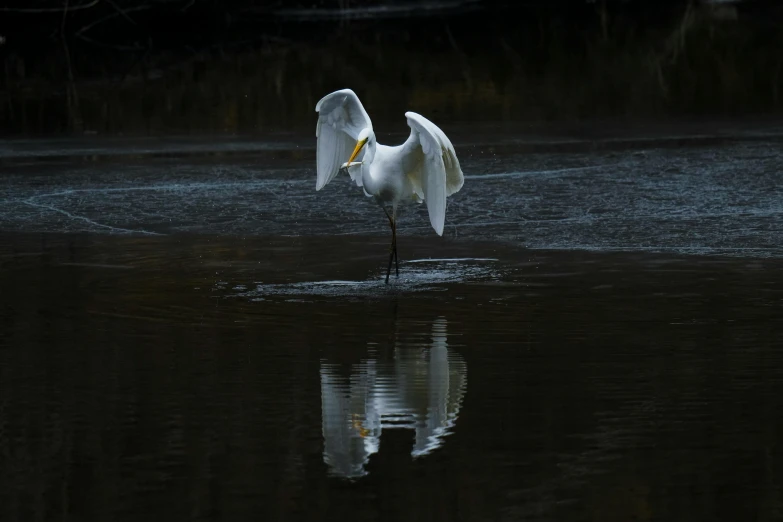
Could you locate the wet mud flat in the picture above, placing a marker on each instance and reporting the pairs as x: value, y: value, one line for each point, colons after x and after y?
x: 598, y: 335
x: 678, y: 192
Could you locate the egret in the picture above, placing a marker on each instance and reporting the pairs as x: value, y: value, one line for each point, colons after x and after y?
x: 424, y: 168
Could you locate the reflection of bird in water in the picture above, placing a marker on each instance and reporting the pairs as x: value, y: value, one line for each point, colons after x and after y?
x: 424, y: 168
x: 358, y: 426
x: 418, y: 389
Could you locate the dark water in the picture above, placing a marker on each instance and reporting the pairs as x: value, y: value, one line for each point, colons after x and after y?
x: 246, y: 361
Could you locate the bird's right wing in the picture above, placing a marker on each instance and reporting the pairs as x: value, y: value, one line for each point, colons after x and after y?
x: 341, y: 117
x: 431, y: 164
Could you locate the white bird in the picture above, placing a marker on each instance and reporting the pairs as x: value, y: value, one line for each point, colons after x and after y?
x: 424, y: 168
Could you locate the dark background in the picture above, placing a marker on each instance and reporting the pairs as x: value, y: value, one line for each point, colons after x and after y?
x: 196, y: 66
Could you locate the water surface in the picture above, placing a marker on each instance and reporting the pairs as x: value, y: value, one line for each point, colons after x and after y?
x: 597, y: 336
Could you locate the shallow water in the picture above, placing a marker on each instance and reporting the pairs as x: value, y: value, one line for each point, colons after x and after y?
x: 662, y: 193
x: 247, y: 361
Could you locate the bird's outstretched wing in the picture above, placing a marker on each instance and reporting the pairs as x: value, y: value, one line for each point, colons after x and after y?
x: 341, y: 117
x: 431, y: 164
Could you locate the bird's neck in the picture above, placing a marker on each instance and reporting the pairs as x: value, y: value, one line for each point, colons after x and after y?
x: 369, y: 153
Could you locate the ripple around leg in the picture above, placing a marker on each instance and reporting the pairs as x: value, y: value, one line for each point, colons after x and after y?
x: 415, y: 276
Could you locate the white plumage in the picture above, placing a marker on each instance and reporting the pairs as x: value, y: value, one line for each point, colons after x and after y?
x: 341, y: 118
x: 424, y: 168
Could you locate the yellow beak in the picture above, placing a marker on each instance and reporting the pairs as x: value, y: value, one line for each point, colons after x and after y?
x: 357, y: 149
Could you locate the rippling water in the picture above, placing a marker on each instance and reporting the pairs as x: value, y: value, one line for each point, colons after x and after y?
x: 273, y: 378
x: 708, y: 195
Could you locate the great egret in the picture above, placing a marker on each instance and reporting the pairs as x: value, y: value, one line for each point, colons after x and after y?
x: 424, y: 168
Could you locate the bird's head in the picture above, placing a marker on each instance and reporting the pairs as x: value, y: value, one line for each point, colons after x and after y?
x: 365, y: 135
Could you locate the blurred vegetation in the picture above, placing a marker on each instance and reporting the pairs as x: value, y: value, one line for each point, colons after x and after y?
x: 600, y: 63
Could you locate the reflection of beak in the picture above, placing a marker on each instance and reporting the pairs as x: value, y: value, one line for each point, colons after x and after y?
x: 357, y: 423
x: 359, y: 145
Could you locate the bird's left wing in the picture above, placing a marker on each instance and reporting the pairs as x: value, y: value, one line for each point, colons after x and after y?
x: 341, y: 117
x: 431, y: 164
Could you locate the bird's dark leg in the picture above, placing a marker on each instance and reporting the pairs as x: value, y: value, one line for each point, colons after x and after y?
x: 394, y: 241
x: 393, y: 246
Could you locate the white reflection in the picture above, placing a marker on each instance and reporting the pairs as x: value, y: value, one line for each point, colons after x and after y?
x: 421, y: 388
